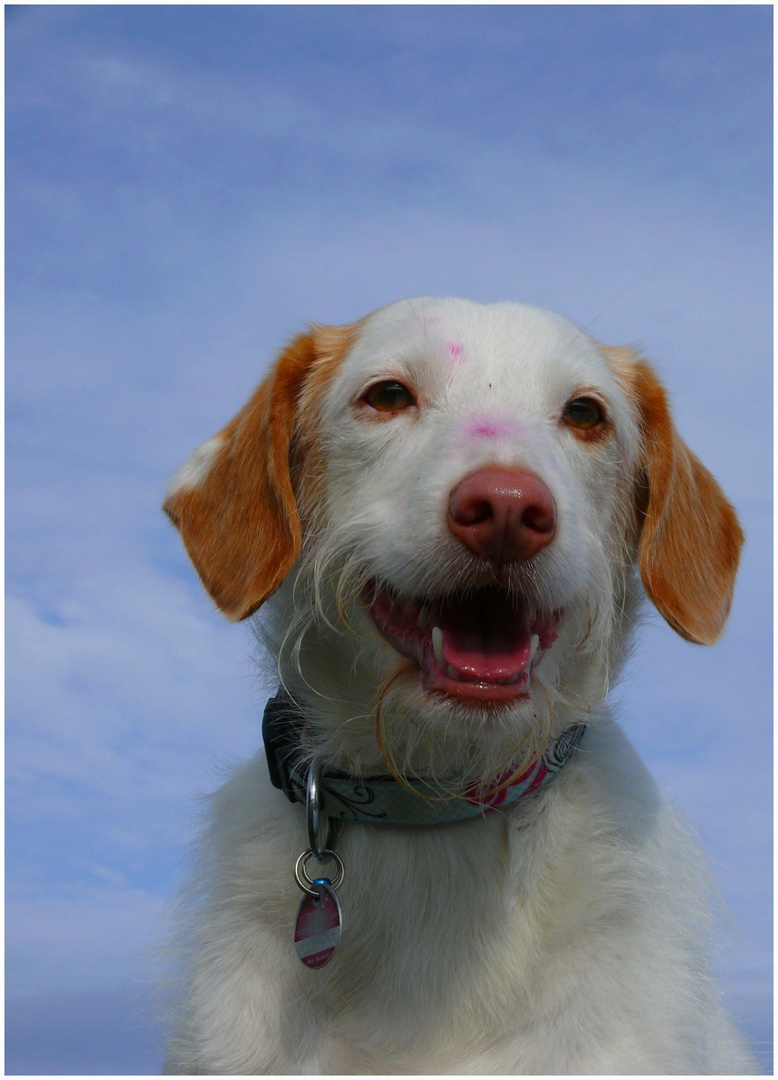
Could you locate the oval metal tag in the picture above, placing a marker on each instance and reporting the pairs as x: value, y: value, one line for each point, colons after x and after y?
x: 317, y: 930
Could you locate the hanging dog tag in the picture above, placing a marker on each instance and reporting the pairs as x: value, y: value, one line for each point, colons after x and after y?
x: 317, y: 930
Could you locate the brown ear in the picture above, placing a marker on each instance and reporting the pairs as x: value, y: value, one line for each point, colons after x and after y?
x: 690, y: 539
x: 233, y: 500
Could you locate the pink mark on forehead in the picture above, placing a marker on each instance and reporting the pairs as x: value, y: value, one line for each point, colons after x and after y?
x: 490, y: 427
x: 455, y: 349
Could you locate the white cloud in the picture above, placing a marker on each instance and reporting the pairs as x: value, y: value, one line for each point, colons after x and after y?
x: 120, y: 700
x: 80, y: 939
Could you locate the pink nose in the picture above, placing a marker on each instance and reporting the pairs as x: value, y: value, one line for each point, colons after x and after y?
x: 502, y: 514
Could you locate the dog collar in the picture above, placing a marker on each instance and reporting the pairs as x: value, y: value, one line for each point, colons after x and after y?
x: 383, y: 799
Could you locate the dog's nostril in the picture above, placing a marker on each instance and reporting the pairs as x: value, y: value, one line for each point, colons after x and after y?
x: 474, y: 512
x: 502, y: 514
x: 541, y: 519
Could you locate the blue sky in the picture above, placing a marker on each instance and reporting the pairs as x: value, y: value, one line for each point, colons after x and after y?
x: 186, y: 187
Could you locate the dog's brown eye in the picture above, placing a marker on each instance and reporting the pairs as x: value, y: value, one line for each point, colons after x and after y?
x: 389, y: 396
x: 583, y: 414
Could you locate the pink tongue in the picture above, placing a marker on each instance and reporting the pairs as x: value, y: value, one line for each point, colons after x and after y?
x: 485, y: 636
x: 486, y: 657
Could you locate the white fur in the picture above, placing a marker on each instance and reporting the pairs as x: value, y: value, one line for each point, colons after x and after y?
x: 195, y: 468
x: 567, y: 934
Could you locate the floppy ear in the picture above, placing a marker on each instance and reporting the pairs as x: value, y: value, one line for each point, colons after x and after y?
x: 690, y: 538
x: 233, y: 500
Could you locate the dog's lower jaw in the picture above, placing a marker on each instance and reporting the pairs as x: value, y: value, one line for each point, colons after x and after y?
x: 412, y: 734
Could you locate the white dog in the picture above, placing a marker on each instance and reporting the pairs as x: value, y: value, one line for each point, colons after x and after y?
x: 453, y: 507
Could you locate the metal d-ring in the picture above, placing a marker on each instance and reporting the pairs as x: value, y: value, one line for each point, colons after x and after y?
x: 301, y: 875
x: 314, y: 814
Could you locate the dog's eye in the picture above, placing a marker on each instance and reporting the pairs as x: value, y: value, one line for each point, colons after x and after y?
x: 389, y: 396
x: 583, y: 414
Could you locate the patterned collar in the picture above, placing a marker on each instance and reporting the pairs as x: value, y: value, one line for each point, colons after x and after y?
x: 382, y: 799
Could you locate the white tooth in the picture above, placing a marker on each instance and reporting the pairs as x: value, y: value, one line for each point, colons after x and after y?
x: 424, y: 616
x: 534, y: 641
x: 453, y: 673
x: 437, y: 645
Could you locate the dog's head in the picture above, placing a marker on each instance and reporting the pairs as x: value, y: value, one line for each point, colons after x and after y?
x: 450, y: 501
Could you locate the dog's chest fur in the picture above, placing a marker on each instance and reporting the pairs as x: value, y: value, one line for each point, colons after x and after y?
x: 466, y: 947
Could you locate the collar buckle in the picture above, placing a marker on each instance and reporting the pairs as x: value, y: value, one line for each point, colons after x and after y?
x: 281, y: 729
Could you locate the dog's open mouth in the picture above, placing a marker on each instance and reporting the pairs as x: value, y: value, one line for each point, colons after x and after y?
x: 479, y: 647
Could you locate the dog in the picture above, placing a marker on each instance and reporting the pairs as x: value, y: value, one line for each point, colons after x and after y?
x: 453, y: 513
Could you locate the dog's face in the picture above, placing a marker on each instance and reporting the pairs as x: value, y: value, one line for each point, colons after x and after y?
x: 452, y: 499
